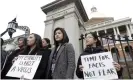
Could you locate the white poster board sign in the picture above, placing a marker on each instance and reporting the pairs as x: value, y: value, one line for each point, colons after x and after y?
x: 99, y: 66
x: 25, y: 66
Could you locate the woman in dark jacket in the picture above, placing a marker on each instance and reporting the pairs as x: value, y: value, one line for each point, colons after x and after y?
x: 12, y: 57
x: 61, y: 63
x: 46, y: 44
x: 34, y: 47
x: 93, y: 46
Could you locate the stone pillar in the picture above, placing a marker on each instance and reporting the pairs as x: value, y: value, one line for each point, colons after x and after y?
x: 128, y: 31
x: 118, y: 32
x: 73, y: 31
x: 131, y: 28
x: 115, y: 33
x: 49, y: 28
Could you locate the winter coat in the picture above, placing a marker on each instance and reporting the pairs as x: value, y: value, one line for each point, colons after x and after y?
x: 41, y: 70
x: 64, y: 64
x: 88, y: 51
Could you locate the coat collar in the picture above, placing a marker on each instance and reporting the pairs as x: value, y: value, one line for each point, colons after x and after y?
x: 59, y: 52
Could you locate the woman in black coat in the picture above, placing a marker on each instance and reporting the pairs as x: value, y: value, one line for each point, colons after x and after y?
x: 93, y: 46
x: 46, y: 44
x: 34, y: 47
x: 12, y: 57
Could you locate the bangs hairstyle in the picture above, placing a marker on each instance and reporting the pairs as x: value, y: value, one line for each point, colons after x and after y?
x: 95, y: 37
x: 24, y: 40
x: 65, y: 36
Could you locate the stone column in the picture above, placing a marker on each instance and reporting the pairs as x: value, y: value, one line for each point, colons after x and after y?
x: 118, y: 32
x: 115, y: 33
x: 49, y: 28
x: 128, y: 31
x: 131, y: 28
x: 72, y: 29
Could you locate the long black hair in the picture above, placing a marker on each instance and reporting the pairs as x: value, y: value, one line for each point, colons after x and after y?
x: 48, y: 42
x: 98, y: 43
x: 38, y: 42
x: 24, y: 40
x: 65, y: 37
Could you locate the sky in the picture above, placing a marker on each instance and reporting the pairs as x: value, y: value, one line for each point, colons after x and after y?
x: 29, y: 13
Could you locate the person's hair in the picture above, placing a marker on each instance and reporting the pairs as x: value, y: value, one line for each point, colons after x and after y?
x: 2, y: 42
x: 38, y: 42
x: 105, y: 50
x: 48, y: 42
x: 65, y: 36
x: 24, y: 40
x: 95, y: 37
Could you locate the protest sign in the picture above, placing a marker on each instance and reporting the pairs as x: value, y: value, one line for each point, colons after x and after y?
x: 25, y: 65
x: 98, y: 66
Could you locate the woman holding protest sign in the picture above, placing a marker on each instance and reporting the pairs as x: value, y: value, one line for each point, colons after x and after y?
x: 13, y: 56
x: 34, y: 47
x: 61, y: 64
x: 93, y: 46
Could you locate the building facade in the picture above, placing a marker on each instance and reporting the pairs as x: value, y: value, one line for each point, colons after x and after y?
x: 71, y: 15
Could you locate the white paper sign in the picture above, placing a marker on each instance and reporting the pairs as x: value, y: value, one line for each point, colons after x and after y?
x: 99, y: 66
x: 25, y: 66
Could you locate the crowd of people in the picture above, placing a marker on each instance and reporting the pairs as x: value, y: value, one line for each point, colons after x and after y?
x: 57, y: 62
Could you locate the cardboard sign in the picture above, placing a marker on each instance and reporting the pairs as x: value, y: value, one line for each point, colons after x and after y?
x: 25, y: 66
x: 99, y: 66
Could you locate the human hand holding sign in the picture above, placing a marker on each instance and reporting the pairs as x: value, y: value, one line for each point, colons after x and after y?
x: 14, y: 59
x: 117, y: 66
x: 81, y: 67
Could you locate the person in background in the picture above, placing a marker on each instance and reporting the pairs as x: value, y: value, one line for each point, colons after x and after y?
x: 93, y: 46
x: 13, y: 56
x: 47, y: 46
x: 46, y: 43
x: 61, y: 64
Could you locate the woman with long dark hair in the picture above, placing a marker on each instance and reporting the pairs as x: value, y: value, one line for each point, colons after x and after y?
x: 34, y: 47
x: 93, y: 46
x: 46, y: 43
x: 61, y: 63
